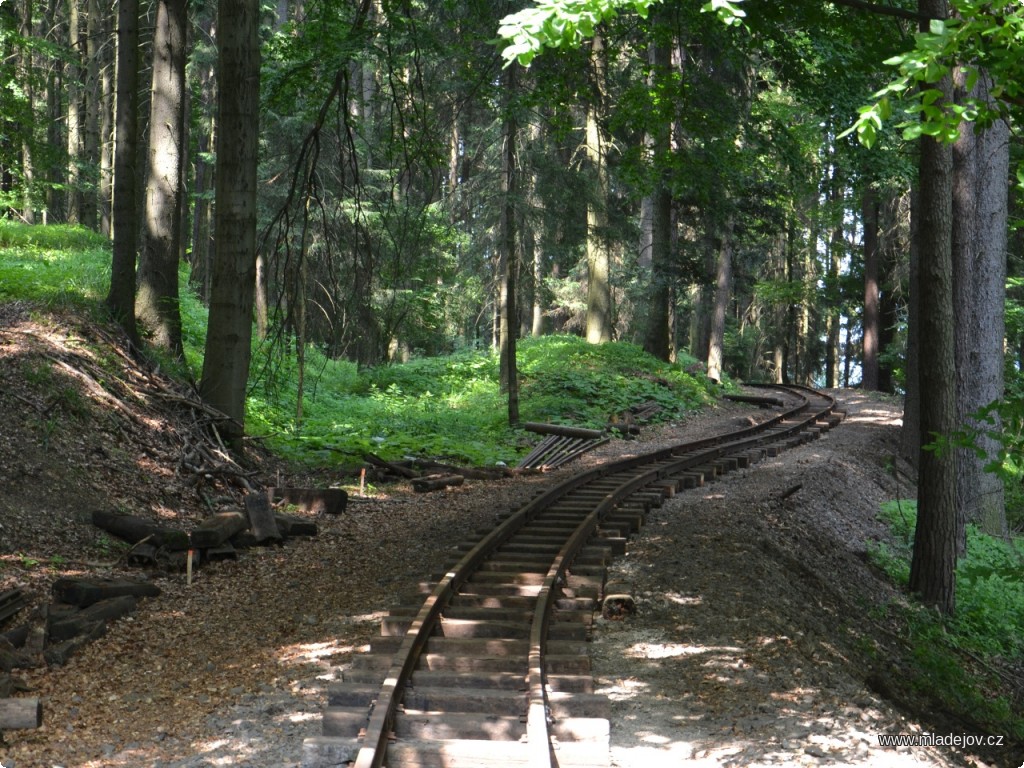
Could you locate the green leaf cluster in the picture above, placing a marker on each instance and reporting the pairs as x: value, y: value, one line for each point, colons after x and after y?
x: 979, y: 37
x: 559, y: 24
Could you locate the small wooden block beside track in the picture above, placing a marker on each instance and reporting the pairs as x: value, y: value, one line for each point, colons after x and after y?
x: 492, y: 667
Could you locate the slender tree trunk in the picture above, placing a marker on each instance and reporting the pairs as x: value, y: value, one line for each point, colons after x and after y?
x: 910, y: 437
x: 157, y: 303
x: 74, y: 135
x: 55, y: 171
x: 28, y: 213
x: 202, y: 215
x: 508, y: 261
x: 228, y: 340
x: 871, y: 332
x: 121, y: 298
x: 833, y: 318
x: 723, y: 293
x: 599, y: 291
x: 933, y: 567
x: 94, y: 39
x: 658, y: 210
x: 106, y: 185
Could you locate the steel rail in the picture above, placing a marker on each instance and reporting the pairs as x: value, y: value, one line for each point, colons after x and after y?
x: 686, y: 455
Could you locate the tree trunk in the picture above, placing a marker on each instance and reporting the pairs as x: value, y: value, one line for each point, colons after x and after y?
x: 74, y: 135
x: 656, y: 226
x: 106, y: 185
x: 980, y: 174
x: 723, y: 293
x: 91, y: 135
x: 871, y: 330
x: 157, y: 301
x: 228, y: 340
x: 203, y: 183
x: 910, y: 437
x: 599, y: 292
x: 507, y: 260
x: 933, y: 567
x: 27, y: 168
x: 121, y: 297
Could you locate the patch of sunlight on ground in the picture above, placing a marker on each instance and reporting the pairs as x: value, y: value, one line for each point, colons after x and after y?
x: 671, y: 650
x: 678, y: 599
x: 313, y: 653
x: 874, y: 416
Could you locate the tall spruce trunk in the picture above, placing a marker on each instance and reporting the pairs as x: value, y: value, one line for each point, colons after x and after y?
x: 933, y: 567
x: 980, y: 173
x: 599, y: 291
x: 233, y: 278
x: 125, y: 222
x: 871, y: 331
x: 157, y: 301
x: 723, y: 294
x: 508, y: 324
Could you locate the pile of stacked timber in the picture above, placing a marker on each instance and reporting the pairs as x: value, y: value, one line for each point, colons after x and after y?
x: 560, y: 445
x: 80, y: 612
x: 221, y: 535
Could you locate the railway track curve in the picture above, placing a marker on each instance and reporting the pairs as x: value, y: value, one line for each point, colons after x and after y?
x: 492, y: 667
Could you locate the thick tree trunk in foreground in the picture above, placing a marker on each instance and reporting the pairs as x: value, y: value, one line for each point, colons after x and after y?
x: 933, y: 568
x: 157, y: 300
x: 980, y: 172
x: 233, y: 279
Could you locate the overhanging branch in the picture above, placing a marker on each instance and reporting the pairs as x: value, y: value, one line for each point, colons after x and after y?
x: 883, y: 10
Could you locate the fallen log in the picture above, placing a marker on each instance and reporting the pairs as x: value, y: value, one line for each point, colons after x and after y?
x: 135, y: 529
x: 58, y: 655
x: 21, y: 713
x: 377, y: 461
x: 11, y: 601
x: 64, y: 625
x: 563, y: 431
x: 261, y: 518
x: 760, y: 400
x: 436, y: 482
x: 330, y: 501
x: 218, y: 528
x: 289, y: 525
x: 84, y: 591
x: 470, y: 473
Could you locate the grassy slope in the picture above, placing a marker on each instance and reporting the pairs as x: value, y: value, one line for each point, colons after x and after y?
x: 446, y: 407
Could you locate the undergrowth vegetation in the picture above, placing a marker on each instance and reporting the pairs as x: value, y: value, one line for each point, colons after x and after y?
x: 450, y: 407
x: 988, y: 625
x: 447, y: 407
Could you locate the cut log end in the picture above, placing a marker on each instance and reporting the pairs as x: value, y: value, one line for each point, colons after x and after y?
x: 20, y: 714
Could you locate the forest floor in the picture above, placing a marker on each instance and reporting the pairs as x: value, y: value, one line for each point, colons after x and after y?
x: 763, y: 636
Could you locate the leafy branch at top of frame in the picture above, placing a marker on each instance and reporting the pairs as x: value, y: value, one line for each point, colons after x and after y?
x: 567, y: 23
x: 980, y: 37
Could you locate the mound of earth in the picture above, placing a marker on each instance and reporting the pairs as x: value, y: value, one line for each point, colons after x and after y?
x: 761, y: 635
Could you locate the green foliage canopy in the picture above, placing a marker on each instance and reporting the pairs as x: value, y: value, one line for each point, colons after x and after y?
x: 979, y: 37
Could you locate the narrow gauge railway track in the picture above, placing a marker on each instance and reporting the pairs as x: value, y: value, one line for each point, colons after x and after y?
x: 492, y: 669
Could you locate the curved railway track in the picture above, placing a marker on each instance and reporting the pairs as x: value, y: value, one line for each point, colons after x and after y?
x: 492, y: 667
